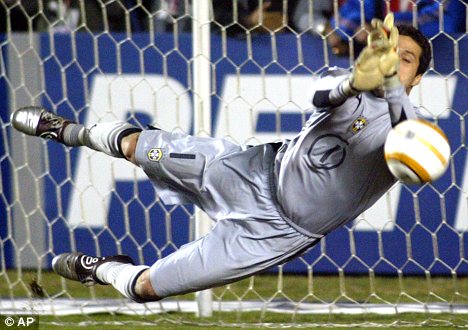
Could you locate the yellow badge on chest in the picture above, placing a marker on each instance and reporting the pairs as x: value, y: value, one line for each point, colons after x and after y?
x: 359, y: 124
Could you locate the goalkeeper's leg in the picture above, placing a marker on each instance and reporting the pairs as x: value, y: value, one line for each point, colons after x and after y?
x: 234, y: 249
x: 117, y: 139
x: 133, y: 281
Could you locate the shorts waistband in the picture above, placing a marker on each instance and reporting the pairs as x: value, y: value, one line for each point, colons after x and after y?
x: 273, y: 188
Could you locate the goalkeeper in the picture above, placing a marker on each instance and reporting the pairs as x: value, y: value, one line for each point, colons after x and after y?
x: 270, y: 202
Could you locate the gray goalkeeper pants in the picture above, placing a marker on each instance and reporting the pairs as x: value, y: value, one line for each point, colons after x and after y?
x: 233, y: 185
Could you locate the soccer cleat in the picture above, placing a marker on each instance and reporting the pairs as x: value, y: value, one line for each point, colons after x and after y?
x: 81, y: 267
x: 38, y: 121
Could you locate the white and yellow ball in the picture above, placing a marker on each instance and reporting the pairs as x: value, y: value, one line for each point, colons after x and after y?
x: 417, y: 151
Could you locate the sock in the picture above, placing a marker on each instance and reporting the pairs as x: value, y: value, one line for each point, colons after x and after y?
x: 104, y: 137
x: 73, y: 135
x: 122, y: 277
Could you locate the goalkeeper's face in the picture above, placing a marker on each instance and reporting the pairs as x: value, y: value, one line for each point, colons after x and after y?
x: 409, y: 52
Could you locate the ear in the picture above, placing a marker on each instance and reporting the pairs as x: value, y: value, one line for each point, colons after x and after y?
x: 416, y: 80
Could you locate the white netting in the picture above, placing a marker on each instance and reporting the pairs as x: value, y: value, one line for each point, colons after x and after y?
x: 132, y: 60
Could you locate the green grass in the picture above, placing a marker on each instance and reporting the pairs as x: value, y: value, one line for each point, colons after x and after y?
x: 363, y: 289
x: 251, y: 321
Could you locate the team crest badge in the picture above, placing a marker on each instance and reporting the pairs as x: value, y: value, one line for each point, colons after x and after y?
x: 155, y: 154
x: 359, y: 124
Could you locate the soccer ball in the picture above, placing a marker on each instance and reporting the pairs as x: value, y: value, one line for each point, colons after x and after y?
x: 417, y: 151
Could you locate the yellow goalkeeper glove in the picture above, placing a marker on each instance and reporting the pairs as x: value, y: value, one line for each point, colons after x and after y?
x: 379, y: 60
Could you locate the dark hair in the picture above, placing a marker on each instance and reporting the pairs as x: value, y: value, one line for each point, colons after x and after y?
x: 421, y: 40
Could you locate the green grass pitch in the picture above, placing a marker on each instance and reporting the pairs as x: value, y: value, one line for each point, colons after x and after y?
x: 15, y: 284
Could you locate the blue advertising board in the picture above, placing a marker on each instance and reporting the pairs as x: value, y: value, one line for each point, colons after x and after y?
x: 427, y: 233
x: 5, y: 247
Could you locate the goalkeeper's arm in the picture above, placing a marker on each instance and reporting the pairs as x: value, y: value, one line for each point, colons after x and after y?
x: 399, y: 104
x: 376, y: 62
x: 333, y: 89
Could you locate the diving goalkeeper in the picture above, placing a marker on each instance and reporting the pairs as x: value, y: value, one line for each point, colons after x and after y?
x: 270, y: 202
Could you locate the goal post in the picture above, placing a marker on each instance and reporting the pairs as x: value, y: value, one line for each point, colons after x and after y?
x: 214, y: 68
x: 202, y: 115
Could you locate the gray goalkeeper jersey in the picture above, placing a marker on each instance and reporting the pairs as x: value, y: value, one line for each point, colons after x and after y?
x: 334, y: 169
x: 270, y: 204
x: 328, y: 174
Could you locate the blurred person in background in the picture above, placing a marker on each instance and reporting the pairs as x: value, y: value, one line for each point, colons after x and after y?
x: 171, y: 15
x: 349, y: 24
x: 124, y: 15
x: 63, y: 16
x: 237, y: 17
x: 111, y: 15
x: 427, y: 19
x: 428, y: 16
x: 60, y: 16
x: 311, y: 16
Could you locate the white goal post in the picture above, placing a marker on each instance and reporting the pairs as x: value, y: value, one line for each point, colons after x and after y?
x: 221, y: 69
x: 202, y: 114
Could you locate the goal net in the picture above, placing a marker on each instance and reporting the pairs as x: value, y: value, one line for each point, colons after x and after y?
x: 234, y: 69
